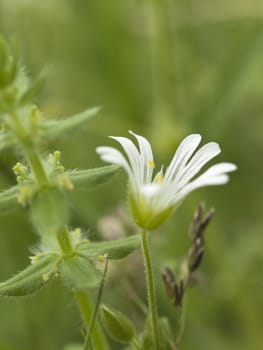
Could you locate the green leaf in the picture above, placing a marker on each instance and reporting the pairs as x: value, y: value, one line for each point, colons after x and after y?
x: 114, y: 249
x: 33, y: 90
x: 56, y: 128
x: 92, y: 177
x: 6, y: 140
x: 31, y: 279
x: 118, y: 326
x: 8, y: 198
x: 79, y: 272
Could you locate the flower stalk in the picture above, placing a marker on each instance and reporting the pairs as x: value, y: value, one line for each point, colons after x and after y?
x: 150, y: 290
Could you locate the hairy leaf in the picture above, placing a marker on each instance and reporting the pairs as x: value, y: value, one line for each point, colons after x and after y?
x: 80, y: 272
x: 32, y: 278
x: 114, y: 249
x: 92, y: 177
x: 56, y: 128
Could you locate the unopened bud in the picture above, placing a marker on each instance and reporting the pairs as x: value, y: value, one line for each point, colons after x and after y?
x: 118, y: 326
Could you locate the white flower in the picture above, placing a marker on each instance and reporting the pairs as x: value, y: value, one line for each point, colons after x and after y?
x: 154, y: 198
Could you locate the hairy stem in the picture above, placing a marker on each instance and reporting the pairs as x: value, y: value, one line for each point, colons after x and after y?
x: 64, y: 242
x: 85, y: 306
x: 150, y: 290
x: 29, y: 149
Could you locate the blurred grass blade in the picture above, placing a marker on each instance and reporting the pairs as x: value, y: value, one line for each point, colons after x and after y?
x: 92, y: 177
x: 31, y: 279
x: 56, y: 128
x: 236, y: 78
x: 8, y: 198
x: 114, y: 249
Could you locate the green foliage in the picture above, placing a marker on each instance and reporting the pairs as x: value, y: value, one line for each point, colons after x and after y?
x: 8, y: 65
x: 49, y: 212
x: 114, y: 249
x: 33, y: 90
x: 6, y: 140
x: 90, y: 178
x: 59, y: 128
x: 206, y: 61
x: 118, y: 326
x: 8, y: 198
x: 34, y: 277
x: 79, y: 272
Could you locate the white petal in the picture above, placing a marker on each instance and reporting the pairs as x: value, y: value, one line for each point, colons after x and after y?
x: 215, y: 175
x: 182, y: 155
x: 157, y: 196
x: 113, y: 156
x: 146, y: 157
x: 203, y: 156
x: 150, y: 190
x: 220, y: 168
x: 133, y: 157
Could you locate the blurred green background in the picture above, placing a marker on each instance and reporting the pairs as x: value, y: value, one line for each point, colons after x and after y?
x: 164, y: 71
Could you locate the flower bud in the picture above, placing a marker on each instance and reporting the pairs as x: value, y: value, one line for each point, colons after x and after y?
x: 118, y: 326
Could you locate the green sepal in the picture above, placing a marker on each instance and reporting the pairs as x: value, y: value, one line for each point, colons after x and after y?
x: 6, y: 140
x: 33, y: 90
x: 79, y: 272
x: 144, y: 216
x: 91, y: 178
x: 114, y: 249
x: 8, y: 198
x: 49, y: 212
x: 34, y: 277
x: 56, y: 128
x: 118, y: 326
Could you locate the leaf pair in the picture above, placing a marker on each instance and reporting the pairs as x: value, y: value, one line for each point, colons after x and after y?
x: 86, y: 179
x: 77, y: 271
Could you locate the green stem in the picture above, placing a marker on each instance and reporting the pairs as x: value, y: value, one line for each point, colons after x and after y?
x: 151, y: 290
x: 64, y: 242
x: 95, y: 311
x: 85, y: 307
x: 29, y: 150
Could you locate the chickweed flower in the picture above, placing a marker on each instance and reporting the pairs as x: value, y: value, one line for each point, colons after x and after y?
x: 154, y: 197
